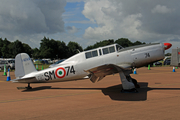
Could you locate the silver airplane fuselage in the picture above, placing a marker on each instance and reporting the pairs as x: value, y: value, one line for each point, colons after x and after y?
x: 76, y: 67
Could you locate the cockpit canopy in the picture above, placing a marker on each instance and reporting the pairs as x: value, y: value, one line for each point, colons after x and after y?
x: 103, y: 51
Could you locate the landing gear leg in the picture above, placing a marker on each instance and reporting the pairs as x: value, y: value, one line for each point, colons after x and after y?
x: 127, y: 84
x: 28, y: 87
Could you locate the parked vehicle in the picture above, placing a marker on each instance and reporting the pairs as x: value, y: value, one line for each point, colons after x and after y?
x: 167, y: 62
x: 2, y: 63
x: 56, y: 63
x: 49, y: 61
x: 158, y: 63
x: 44, y: 62
x: 11, y: 64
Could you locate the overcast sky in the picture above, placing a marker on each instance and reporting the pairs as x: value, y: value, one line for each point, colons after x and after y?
x: 90, y: 21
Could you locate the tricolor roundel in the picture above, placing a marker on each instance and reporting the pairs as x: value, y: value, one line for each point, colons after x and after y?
x: 60, y: 72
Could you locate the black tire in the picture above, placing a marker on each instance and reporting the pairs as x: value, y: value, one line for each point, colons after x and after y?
x: 135, y: 83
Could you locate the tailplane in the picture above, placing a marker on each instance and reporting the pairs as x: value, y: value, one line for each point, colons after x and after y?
x: 23, y: 65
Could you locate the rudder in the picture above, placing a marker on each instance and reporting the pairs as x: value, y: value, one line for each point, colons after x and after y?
x: 23, y: 65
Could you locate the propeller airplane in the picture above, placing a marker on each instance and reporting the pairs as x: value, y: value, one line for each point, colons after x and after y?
x: 93, y: 64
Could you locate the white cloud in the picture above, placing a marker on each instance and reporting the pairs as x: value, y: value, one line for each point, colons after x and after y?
x: 110, y: 20
x: 161, y: 9
x: 135, y: 20
x: 31, y: 16
x: 146, y: 21
x: 72, y: 1
x: 26, y: 19
x: 82, y: 22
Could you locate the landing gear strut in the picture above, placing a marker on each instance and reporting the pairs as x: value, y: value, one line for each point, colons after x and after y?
x: 127, y: 84
x: 28, y: 87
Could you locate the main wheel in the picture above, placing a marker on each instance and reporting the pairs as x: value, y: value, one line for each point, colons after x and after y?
x: 135, y: 83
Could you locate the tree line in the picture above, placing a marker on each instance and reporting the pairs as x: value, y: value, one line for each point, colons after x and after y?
x: 50, y: 48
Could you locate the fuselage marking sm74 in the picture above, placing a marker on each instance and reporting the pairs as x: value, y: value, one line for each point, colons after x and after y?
x: 58, y: 73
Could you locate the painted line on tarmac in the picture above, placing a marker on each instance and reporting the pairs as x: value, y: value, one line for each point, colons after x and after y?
x: 44, y: 97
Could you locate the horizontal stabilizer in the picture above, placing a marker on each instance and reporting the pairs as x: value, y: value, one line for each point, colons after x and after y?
x: 25, y: 80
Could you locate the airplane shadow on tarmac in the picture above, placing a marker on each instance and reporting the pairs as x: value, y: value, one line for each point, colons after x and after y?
x: 114, y: 92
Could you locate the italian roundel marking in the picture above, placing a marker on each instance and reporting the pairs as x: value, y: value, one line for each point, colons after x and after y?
x: 60, y: 72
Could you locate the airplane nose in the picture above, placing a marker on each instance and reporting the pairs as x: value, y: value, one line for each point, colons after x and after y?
x: 167, y: 45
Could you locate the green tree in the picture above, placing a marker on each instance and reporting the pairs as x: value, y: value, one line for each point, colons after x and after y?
x: 168, y: 54
x: 124, y: 42
x: 46, y: 48
x: 36, y: 53
x: 63, y: 50
x: 10, y: 50
x: 74, y: 48
x: 100, y: 44
x: 17, y: 47
x: 4, y: 50
x: 1, y: 45
x: 138, y: 43
x: 27, y: 49
x: 53, y: 49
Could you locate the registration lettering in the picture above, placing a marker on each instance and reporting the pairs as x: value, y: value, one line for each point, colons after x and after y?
x: 49, y: 75
x: 60, y: 72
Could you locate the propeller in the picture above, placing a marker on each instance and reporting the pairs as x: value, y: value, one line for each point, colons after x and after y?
x: 167, y: 45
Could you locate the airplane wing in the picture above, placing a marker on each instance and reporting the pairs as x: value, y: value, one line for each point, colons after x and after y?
x: 98, y: 73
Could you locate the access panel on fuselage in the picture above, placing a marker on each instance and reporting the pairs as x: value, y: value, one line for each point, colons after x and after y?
x: 145, y: 55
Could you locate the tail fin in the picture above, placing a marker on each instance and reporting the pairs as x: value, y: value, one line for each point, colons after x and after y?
x: 23, y: 65
x: 175, y: 57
